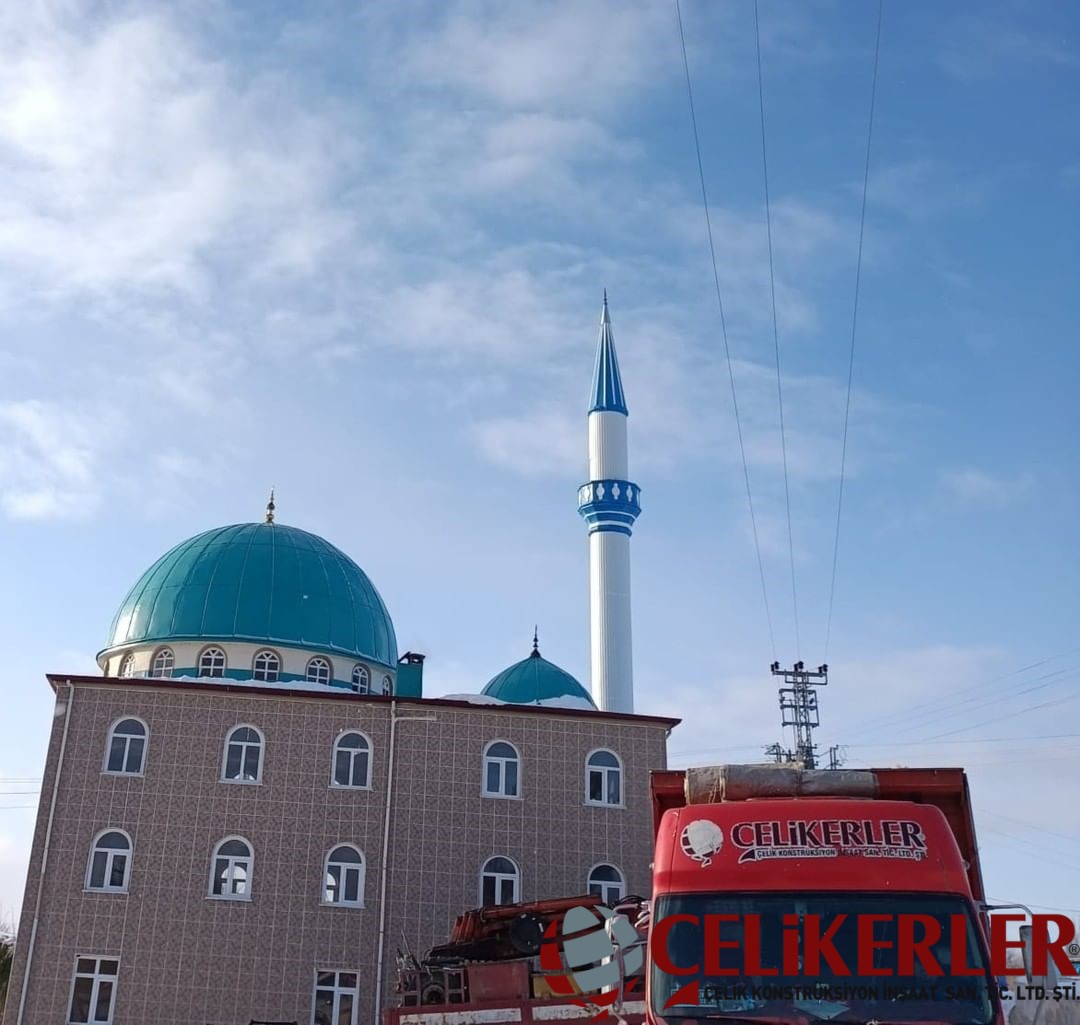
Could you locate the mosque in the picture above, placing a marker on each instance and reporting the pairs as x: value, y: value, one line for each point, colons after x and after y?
x: 255, y: 807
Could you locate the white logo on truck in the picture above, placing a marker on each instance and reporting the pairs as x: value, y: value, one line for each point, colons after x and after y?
x: 700, y: 840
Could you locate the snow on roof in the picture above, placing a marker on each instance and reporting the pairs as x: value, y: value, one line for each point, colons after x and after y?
x: 565, y: 701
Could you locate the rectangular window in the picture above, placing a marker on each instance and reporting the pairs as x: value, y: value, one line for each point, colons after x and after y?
x: 510, y: 769
x: 93, y: 991
x: 337, y: 998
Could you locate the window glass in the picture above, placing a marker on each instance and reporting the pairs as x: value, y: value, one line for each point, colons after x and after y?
x: 352, y: 761
x: 127, y: 744
x: 501, y: 770
x: 163, y: 663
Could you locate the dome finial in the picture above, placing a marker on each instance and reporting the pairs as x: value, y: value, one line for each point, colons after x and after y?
x: 270, y: 508
x: 536, y: 643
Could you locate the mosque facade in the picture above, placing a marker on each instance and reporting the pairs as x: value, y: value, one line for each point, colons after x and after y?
x: 254, y: 808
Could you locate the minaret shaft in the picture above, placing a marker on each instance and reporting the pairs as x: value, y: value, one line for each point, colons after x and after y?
x: 610, y: 626
x: 607, y: 446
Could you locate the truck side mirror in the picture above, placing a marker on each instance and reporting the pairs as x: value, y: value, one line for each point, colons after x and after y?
x: 1051, y: 979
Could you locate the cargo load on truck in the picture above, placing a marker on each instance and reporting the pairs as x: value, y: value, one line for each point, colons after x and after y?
x: 490, y: 970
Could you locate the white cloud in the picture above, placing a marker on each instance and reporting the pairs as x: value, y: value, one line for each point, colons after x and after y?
x: 131, y: 159
x: 567, y: 53
x: 51, y: 459
x: 542, y: 442
x: 971, y: 484
x: 976, y: 46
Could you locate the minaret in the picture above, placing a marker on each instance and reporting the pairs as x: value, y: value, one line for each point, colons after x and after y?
x: 609, y: 504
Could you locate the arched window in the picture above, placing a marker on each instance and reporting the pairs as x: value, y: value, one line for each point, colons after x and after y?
x: 499, y: 882
x: 110, y: 861
x: 212, y: 662
x: 162, y: 665
x: 387, y: 685
x: 265, y: 666
x: 231, y: 869
x: 243, y: 755
x: 126, y: 750
x: 607, y: 883
x: 361, y: 679
x: 344, y: 880
x: 603, y: 778
x: 127, y: 665
x: 352, y: 760
x: 318, y: 671
x: 501, y: 770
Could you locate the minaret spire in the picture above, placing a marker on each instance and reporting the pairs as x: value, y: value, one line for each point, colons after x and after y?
x: 270, y: 508
x: 607, y: 389
x: 609, y: 504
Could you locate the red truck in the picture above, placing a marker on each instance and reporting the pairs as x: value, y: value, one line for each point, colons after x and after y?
x: 758, y: 871
x: 784, y: 895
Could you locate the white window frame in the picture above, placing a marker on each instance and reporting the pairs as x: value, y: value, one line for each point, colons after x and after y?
x: 605, y: 770
x: 145, y: 738
x: 345, y: 867
x: 366, y: 785
x: 500, y: 878
x: 337, y: 990
x: 167, y: 671
x: 268, y: 675
x: 98, y: 976
x: 361, y: 678
x: 605, y: 884
x: 245, y: 744
x: 127, y: 666
x: 224, y: 661
x: 501, y: 762
x: 387, y: 685
x: 233, y: 860
x: 110, y: 853
x: 329, y: 670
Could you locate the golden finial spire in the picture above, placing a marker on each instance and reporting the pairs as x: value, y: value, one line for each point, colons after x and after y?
x: 270, y: 508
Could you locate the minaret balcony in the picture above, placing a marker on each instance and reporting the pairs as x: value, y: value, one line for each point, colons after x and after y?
x: 609, y: 505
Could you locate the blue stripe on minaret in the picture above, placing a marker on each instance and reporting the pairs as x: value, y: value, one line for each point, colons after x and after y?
x: 607, y: 389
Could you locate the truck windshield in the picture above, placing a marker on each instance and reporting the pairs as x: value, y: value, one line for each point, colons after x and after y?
x: 702, y: 967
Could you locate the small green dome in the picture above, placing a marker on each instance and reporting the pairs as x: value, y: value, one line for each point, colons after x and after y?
x: 534, y: 681
x: 259, y: 582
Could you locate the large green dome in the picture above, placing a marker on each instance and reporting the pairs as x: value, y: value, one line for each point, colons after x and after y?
x: 259, y: 582
x: 535, y: 681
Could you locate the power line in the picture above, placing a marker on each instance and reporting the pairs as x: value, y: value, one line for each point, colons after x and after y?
x: 1030, y: 825
x: 854, y: 322
x: 723, y: 328
x: 1042, y: 907
x: 1007, y: 715
x: 905, y: 743
x: 776, y: 330
x: 951, y: 711
x: 978, y: 690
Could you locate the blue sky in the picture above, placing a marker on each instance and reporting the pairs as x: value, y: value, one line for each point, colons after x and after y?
x: 357, y: 252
